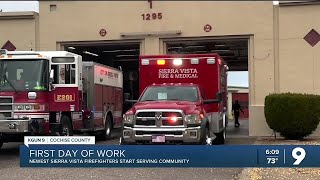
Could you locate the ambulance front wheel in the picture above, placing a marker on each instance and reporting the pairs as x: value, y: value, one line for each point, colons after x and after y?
x: 220, y: 138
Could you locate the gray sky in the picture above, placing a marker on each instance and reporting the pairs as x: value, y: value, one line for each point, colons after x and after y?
x: 7, y: 6
x: 234, y: 78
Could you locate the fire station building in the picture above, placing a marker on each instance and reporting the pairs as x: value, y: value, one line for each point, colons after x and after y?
x: 277, y: 44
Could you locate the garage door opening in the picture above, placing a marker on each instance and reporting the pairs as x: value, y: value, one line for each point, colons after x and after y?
x: 124, y: 55
x: 235, y: 52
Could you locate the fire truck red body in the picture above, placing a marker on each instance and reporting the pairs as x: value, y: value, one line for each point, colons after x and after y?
x: 183, y: 99
x: 56, y: 93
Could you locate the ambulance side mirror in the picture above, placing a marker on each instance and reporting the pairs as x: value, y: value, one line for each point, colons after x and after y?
x: 51, y: 79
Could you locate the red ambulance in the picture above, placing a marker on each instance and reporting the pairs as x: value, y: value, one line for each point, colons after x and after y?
x: 183, y: 100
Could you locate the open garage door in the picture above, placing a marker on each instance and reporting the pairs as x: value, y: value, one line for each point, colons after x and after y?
x: 124, y: 55
x: 234, y: 51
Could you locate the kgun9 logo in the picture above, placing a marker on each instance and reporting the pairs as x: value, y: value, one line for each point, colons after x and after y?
x: 298, y: 154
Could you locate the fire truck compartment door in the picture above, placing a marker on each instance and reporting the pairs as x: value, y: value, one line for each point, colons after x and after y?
x: 65, y: 95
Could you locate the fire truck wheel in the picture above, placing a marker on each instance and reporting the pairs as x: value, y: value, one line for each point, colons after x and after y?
x: 1, y: 143
x: 66, y: 126
x: 107, y: 129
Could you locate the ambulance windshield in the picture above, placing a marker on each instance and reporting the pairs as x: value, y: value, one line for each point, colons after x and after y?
x: 170, y: 93
x: 24, y: 75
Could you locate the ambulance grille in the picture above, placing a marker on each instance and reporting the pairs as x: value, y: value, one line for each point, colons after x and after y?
x: 6, y: 107
x: 159, y: 118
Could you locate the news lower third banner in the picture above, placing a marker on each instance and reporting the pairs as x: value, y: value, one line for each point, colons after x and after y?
x: 82, y: 152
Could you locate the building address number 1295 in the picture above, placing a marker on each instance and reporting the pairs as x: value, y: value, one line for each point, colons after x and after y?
x: 151, y: 16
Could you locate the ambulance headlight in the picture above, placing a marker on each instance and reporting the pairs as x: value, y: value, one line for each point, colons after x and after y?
x: 128, y: 118
x: 177, y: 62
x: 19, y: 107
x: 27, y: 107
x: 194, y: 118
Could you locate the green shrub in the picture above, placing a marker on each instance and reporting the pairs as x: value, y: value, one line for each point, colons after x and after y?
x: 293, y: 115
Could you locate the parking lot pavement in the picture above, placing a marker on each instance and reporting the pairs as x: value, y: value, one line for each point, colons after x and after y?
x: 10, y: 168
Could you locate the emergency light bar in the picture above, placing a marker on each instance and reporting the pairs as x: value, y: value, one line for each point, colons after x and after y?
x: 194, y: 61
x: 211, y: 61
x: 161, y: 62
x: 145, y: 62
x: 178, y: 61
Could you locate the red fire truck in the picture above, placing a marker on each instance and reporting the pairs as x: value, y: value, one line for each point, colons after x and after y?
x: 56, y: 93
x: 183, y: 99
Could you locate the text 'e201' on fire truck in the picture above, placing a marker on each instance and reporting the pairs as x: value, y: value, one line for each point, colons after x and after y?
x: 56, y: 93
x: 183, y: 99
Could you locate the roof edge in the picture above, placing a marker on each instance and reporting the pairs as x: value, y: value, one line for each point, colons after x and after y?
x: 19, y: 15
x: 298, y: 3
x: 239, y: 87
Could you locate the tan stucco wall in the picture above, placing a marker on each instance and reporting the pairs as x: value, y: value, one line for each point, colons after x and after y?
x: 274, y: 66
x: 299, y: 62
x: 20, y: 29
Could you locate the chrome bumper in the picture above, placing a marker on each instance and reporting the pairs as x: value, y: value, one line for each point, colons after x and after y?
x: 15, y: 126
x: 185, y: 135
